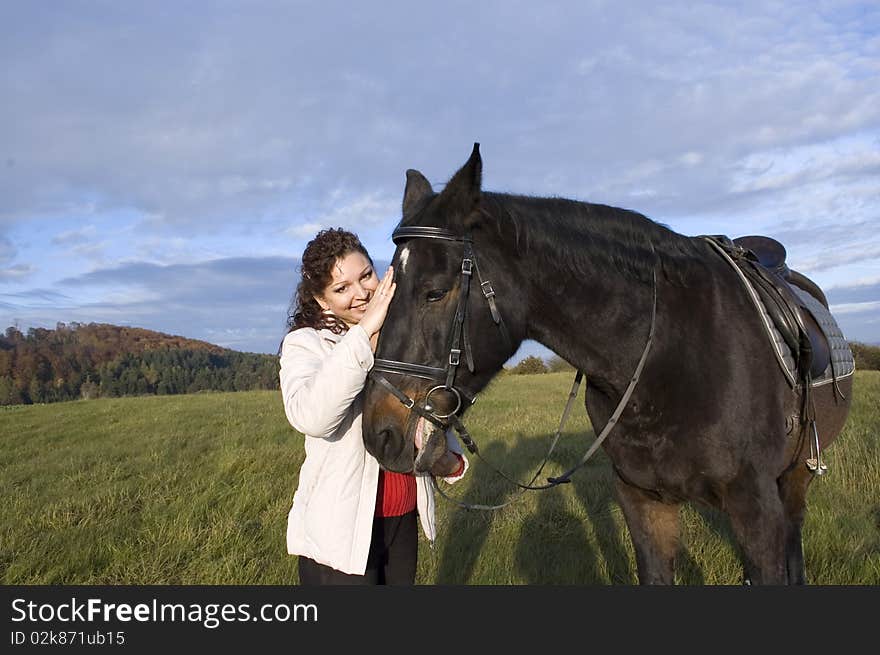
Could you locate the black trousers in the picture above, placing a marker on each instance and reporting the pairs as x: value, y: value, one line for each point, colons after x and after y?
x: 394, y: 549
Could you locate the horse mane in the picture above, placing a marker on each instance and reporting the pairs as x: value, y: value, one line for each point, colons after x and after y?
x: 589, y: 238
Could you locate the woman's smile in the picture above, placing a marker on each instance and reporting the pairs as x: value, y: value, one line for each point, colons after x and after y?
x: 351, y: 288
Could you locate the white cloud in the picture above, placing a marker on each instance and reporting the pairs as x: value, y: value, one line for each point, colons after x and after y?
x: 691, y: 158
x: 75, y: 237
x: 92, y: 251
x: 855, y: 307
x: 16, y: 272
x: 304, y: 230
x: 783, y: 168
x: 855, y: 284
x: 842, y: 256
x: 363, y: 211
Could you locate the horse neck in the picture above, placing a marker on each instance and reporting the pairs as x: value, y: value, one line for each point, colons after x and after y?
x: 584, y: 308
x: 598, y: 325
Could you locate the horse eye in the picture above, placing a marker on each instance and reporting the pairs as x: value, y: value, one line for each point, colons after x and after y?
x: 436, y: 294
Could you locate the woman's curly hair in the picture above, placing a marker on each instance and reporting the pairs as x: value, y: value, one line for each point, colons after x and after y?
x: 318, y: 258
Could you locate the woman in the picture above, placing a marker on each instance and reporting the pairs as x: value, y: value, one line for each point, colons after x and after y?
x: 350, y: 523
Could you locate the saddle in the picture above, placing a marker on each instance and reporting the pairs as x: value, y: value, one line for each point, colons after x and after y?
x: 789, y: 298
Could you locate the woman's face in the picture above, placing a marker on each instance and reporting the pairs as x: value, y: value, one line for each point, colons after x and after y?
x: 352, y: 286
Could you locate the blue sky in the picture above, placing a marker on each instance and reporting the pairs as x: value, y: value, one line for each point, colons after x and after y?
x: 163, y: 164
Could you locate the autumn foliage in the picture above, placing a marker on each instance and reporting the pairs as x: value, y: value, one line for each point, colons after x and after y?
x: 89, y: 360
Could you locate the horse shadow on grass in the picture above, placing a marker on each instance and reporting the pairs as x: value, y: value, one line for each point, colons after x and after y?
x: 555, y: 546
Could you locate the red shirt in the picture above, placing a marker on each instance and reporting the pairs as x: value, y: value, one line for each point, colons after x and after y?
x: 396, y: 494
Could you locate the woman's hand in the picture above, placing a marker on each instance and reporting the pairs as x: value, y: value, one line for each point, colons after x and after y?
x: 377, y: 308
x: 446, y: 465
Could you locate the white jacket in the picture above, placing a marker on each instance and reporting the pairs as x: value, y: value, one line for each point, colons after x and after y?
x: 322, y: 376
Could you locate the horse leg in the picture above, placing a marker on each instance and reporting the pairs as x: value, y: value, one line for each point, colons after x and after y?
x: 793, y: 485
x: 757, y: 517
x: 831, y: 414
x: 654, y: 530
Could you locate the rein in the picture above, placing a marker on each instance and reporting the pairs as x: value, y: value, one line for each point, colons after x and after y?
x: 458, y: 340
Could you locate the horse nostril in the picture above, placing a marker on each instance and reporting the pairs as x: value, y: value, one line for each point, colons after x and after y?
x: 395, y: 456
x: 384, y: 440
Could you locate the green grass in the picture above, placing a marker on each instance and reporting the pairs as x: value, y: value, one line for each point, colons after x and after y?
x: 196, y: 489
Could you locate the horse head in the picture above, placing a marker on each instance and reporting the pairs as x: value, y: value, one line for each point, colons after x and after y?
x: 452, y: 324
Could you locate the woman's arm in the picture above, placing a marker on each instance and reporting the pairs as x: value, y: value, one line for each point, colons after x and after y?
x: 318, y: 388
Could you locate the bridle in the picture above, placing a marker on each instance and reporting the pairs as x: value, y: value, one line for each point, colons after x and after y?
x: 459, y: 342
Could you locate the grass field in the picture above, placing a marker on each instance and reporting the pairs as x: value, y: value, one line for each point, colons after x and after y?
x: 196, y: 489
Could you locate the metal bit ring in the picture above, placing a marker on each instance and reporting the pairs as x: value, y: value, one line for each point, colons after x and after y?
x: 444, y: 388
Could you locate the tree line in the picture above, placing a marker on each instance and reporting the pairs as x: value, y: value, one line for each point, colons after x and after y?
x: 93, y: 360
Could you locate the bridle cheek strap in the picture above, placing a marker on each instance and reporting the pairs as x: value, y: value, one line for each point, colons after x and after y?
x: 489, y: 295
x: 458, y: 322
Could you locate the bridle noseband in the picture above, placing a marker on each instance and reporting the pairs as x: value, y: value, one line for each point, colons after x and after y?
x: 459, y: 341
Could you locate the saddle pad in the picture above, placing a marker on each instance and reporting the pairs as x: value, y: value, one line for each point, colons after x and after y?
x: 842, y: 361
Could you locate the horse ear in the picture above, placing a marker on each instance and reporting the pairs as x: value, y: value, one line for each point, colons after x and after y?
x: 464, y: 187
x: 417, y: 189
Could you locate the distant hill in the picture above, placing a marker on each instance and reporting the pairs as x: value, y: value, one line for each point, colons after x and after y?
x: 78, y: 360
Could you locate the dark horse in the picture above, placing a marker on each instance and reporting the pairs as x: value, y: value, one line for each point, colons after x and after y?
x: 710, y: 420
